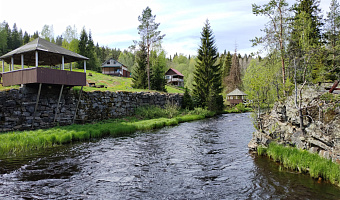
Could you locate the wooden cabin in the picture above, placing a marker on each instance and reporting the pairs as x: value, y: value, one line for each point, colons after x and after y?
x: 174, y: 77
x: 115, y: 68
x: 235, y: 97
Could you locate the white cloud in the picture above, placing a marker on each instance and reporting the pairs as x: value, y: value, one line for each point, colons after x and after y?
x: 114, y: 23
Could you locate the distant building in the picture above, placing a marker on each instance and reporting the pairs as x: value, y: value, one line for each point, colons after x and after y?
x: 235, y: 97
x: 115, y: 68
x: 174, y: 77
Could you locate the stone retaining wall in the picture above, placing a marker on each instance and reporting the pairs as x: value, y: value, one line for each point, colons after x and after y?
x: 17, y: 106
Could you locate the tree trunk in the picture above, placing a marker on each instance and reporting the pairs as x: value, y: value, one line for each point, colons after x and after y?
x: 148, y: 66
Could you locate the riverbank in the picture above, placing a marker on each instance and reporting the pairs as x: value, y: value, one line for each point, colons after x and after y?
x: 13, y: 143
x: 303, y: 161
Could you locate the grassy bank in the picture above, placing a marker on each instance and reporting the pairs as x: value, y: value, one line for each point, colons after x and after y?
x: 19, y: 142
x: 303, y: 161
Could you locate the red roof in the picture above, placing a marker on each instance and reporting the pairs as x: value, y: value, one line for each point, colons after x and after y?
x: 177, y: 72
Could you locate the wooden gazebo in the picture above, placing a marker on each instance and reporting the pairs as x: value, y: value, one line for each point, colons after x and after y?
x: 40, y: 52
x: 235, y: 97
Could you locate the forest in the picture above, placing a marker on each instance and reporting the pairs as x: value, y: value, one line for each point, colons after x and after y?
x: 299, y: 46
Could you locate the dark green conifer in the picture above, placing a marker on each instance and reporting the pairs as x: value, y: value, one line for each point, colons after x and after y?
x: 139, y: 75
x: 207, y: 75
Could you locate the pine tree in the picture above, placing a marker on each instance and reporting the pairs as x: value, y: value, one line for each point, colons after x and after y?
x: 149, y: 34
x: 139, y: 75
x: 207, y: 75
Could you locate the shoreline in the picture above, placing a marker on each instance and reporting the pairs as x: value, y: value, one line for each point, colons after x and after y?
x: 302, y: 161
x: 12, y: 143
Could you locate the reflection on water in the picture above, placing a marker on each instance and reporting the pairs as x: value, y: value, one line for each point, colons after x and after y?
x: 206, y: 159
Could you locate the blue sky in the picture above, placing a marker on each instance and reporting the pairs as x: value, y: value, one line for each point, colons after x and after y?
x: 114, y: 23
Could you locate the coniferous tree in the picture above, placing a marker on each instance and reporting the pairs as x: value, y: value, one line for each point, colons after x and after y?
x: 333, y: 40
x: 139, y: 75
x: 207, y: 75
x: 187, y: 100
x: 149, y: 34
x: 82, y: 45
x: 227, y: 64
x: 3, y: 38
x: 158, y: 66
x: 26, y: 38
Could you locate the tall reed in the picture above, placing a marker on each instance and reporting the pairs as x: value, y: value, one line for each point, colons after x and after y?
x: 303, y: 161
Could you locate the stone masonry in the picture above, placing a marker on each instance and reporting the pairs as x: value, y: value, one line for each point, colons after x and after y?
x: 17, y: 106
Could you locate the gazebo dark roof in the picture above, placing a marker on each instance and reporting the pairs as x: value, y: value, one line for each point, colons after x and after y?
x: 49, y: 54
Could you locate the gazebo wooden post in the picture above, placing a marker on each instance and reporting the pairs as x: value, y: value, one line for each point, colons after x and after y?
x: 3, y: 66
x: 22, y: 61
x: 85, y: 66
x: 62, y: 63
x: 36, y: 104
x: 12, y: 64
x: 36, y: 59
x: 70, y: 66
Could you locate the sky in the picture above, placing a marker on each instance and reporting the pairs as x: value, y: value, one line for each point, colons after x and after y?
x: 114, y: 23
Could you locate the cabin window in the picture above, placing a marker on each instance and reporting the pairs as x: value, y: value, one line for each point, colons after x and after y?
x: 108, y: 63
x: 167, y: 77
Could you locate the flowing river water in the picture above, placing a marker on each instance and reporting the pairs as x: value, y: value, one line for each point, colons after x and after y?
x: 206, y: 159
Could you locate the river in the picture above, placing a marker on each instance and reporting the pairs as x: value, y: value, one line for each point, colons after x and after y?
x: 206, y: 159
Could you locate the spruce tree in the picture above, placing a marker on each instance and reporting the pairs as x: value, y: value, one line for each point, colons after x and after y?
x: 139, y: 75
x: 227, y: 64
x: 207, y: 75
x: 82, y: 46
x: 158, y: 66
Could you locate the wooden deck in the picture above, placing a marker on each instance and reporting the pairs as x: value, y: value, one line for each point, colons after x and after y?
x: 45, y: 76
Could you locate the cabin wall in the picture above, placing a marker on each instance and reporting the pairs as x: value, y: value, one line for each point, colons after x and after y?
x: 17, y: 106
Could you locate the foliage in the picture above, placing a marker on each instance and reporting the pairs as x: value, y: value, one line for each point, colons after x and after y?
x: 187, y: 102
x: 158, y: 66
x: 139, y: 75
x: 258, y: 82
x: 303, y: 161
x: 207, y: 75
x: 149, y: 34
x: 127, y: 58
x: 276, y: 34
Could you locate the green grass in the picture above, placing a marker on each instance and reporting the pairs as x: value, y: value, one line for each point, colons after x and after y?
x: 112, y: 83
x: 303, y: 161
x: 13, y: 143
x: 239, y: 108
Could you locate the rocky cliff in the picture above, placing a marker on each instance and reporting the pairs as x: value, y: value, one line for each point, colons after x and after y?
x: 321, y: 121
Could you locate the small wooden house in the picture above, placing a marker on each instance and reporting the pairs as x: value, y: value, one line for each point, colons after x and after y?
x: 235, y: 97
x: 115, y: 68
x: 174, y: 77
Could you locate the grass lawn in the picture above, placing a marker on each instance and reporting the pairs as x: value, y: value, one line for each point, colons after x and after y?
x: 111, y: 83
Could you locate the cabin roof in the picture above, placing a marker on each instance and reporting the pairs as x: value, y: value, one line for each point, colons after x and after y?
x: 49, y: 54
x: 175, y: 71
x: 237, y: 92
x: 117, y: 64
